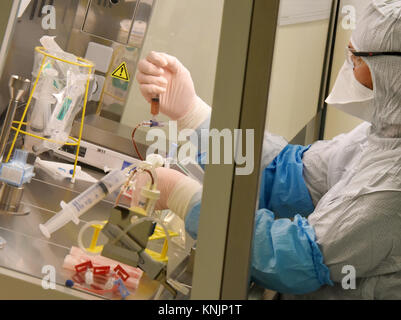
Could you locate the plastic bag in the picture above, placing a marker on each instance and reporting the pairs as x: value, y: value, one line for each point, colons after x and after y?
x: 69, y: 103
x: 58, y: 96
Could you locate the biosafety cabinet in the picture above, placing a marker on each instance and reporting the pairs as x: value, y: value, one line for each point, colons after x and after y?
x: 249, y: 59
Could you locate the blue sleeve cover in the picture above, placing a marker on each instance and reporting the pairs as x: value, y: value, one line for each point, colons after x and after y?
x: 192, y: 220
x: 283, y: 189
x: 285, y: 255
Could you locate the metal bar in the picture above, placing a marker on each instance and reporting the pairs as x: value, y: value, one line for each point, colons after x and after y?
x: 217, y: 187
x: 328, y: 66
x: 6, y: 129
x: 82, y: 123
x: 8, y: 19
x: 24, y: 286
x: 25, y: 110
x: 253, y: 117
x: 18, y: 88
x: 138, y: 2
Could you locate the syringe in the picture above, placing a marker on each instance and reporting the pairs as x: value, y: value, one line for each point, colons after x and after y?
x: 44, y: 99
x: 85, y: 201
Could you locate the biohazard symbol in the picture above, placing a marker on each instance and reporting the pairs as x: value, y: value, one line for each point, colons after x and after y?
x: 121, y: 72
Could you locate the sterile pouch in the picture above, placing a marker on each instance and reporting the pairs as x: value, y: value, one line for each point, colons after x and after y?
x: 43, y: 99
x: 51, y: 46
x: 68, y: 104
x: 58, y: 96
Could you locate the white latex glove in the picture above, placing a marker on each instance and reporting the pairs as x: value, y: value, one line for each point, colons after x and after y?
x: 176, y: 190
x: 163, y: 75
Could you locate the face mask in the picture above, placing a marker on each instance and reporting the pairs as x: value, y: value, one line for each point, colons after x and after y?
x: 351, y: 96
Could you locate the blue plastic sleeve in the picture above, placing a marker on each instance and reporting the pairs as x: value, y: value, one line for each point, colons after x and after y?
x: 285, y: 255
x: 283, y: 189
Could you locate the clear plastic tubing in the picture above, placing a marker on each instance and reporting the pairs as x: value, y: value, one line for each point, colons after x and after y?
x: 84, y: 202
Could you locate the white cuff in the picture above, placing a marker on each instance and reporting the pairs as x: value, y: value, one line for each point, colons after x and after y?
x: 195, y: 117
x: 181, y: 196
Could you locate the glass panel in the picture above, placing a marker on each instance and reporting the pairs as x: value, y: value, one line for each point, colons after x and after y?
x: 298, y: 65
x: 202, y: 21
x: 59, y: 77
x: 296, y: 80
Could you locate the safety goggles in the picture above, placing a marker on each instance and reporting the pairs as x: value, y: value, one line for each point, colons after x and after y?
x: 350, y: 52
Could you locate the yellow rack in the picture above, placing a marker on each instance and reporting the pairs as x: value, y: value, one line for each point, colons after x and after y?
x: 77, y: 142
x: 158, y: 234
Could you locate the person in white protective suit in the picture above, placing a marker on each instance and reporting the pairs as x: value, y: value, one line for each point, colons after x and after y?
x: 349, y: 187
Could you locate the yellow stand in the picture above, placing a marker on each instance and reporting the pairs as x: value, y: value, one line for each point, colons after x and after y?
x: 160, y: 234
x: 157, y: 235
x: 93, y: 247
x: 77, y: 142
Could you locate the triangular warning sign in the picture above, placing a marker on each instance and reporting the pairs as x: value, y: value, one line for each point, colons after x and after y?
x: 121, y: 72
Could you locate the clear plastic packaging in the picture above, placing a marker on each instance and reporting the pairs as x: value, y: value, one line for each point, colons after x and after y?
x: 58, y: 97
x: 69, y: 103
x: 41, y: 110
x: 50, y: 44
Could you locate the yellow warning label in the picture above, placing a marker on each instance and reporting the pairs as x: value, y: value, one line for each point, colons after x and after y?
x: 121, y: 72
